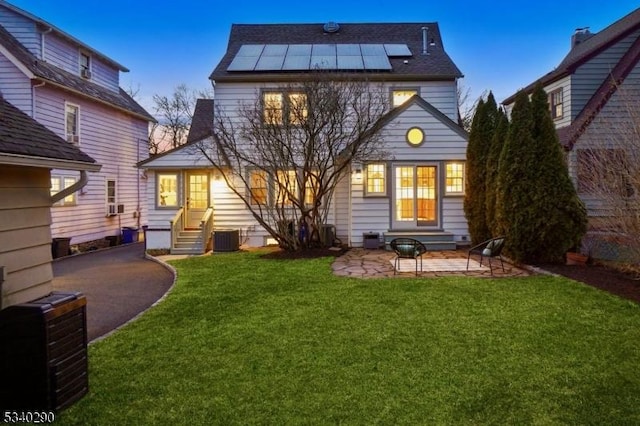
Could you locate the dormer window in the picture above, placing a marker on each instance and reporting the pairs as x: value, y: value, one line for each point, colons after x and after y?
x: 85, y: 65
x: 556, y: 104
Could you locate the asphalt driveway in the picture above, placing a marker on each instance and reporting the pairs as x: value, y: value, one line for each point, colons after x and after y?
x: 118, y: 283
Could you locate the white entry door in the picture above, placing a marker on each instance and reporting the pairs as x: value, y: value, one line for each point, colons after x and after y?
x: 197, y: 197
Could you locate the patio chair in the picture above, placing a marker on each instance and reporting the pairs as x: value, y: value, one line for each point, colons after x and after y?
x: 488, y: 249
x: 407, y: 248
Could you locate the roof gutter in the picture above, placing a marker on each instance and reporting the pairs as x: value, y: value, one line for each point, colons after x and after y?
x: 73, y: 188
x: 47, y: 163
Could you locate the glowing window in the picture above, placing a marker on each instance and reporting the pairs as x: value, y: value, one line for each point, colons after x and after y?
x: 376, y: 179
x: 401, y: 96
x: 415, y: 136
x: 454, y: 179
x: 167, y: 190
x: 273, y: 107
x: 286, y: 187
x: 258, y: 183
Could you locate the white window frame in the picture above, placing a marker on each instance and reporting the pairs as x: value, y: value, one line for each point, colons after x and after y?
x: 73, y: 138
x: 115, y: 191
x: 554, y: 95
x: 384, y: 178
x: 274, y: 115
x: 159, y: 205
x: 58, y: 183
x: 85, y: 69
x: 447, y: 191
x: 395, y: 90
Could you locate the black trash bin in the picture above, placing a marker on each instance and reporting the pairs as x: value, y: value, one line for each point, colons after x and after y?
x: 43, y: 353
x: 129, y: 235
x: 60, y: 247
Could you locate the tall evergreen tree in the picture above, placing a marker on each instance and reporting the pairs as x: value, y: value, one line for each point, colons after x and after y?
x: 564, y: 217
x: 536, y: 203
x: 482, y: 129
x: 493, y: 162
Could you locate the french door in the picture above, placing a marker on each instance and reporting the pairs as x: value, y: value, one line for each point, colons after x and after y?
x: 197, y: 191
x: 415, y: 196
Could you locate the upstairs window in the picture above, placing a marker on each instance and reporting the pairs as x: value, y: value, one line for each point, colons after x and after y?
x: 85, y: 65
x: 72, y: 123
x: 112, y: 196
x: 556, y: 104
x: 400, y: 96
x: 278, y: 106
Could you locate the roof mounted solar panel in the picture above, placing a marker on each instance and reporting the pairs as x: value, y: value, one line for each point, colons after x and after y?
x: 350, y: 62
x: 296, y: 62
x: 275, y: 50
x: 373, y: 50
x: 269, y: 63
x: 397, y: 50
x: 250, y: 50
x: 323, y: 62
x: 348, y: 50
x: 379, y: 62
x: 299, y: 50
x: 243, y: 63
x: 323, y: 49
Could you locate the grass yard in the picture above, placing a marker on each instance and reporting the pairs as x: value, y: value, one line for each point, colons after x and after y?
x: 243, y: 340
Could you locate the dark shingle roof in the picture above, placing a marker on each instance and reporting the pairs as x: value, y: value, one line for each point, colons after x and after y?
x: 587, y: 49
x: 22, y: 135
x: 52, y: 74
x: 436, y: 65
x: 202, y: 122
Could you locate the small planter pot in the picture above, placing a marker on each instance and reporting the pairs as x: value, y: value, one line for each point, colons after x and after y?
x: 578, y: 259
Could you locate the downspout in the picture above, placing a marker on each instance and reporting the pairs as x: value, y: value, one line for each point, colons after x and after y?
x: 73, y: 188
x: 33, y: 98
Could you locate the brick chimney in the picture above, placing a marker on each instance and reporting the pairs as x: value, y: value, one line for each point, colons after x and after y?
x: 580, y: 35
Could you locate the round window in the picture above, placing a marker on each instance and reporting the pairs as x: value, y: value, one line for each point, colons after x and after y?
x: 415, y: 136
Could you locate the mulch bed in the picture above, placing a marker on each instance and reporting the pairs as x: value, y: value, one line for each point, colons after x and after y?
x: 623, y: 284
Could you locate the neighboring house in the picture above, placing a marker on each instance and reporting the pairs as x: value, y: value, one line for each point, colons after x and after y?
x: 73, y: 90
x: 28, y: 153
x: 590, y: 93
x: 418, y: 191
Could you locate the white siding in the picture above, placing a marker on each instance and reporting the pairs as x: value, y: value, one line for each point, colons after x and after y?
x: 15, y: 86
x: 441, y: 144
x: 65, y: 55
x: 113, y: 139
x: 440, y: 94
x: 23, y: 29
x: 25, y: 251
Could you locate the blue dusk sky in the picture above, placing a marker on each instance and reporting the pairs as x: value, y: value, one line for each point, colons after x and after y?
x: 498, y: 45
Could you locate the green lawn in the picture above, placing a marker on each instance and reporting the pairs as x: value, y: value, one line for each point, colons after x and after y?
x: 243, y: 340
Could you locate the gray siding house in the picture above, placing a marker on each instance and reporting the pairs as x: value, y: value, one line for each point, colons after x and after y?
x: 73, y: 90
x: 417, y: 191
x: 594, y: 95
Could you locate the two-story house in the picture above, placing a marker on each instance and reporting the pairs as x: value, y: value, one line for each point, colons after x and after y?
x: 592, y: 93
x: 416, y: 191
x: 74, y: 91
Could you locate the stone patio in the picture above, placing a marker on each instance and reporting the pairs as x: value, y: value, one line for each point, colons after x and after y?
x: 362, y: 263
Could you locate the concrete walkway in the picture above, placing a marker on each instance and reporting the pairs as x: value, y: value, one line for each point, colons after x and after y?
x: 361, y: 263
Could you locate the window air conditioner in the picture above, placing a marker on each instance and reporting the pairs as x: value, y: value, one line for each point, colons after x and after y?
x: 85, y: 73
x: 120, y: 208
x: 74, y: 139
x: 111, y: 209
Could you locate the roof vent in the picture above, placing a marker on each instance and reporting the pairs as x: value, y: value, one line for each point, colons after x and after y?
x: 331, y: 27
